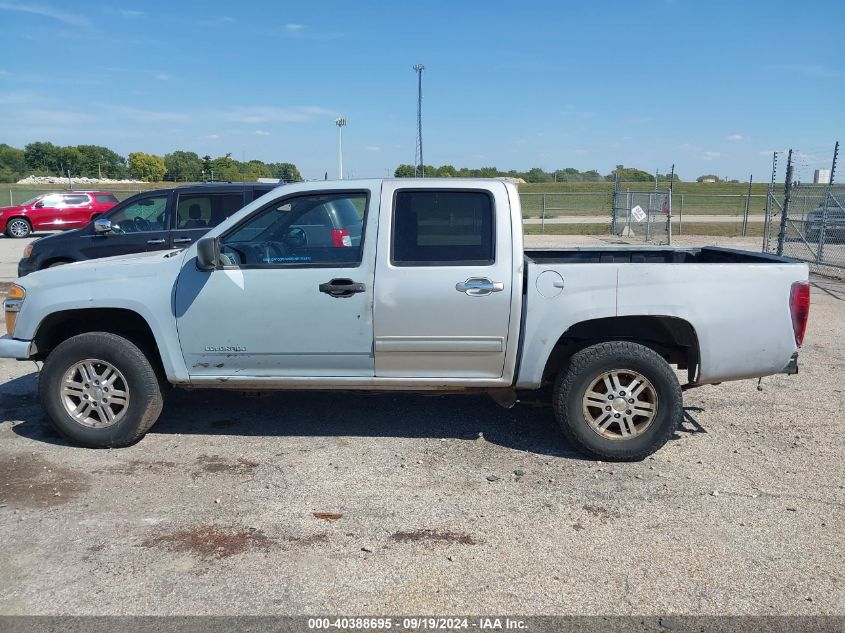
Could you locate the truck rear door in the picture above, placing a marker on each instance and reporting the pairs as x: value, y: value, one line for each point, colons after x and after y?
x: 444, y: 277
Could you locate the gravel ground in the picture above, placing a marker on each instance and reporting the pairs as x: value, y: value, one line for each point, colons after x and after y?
x: 304, y: 503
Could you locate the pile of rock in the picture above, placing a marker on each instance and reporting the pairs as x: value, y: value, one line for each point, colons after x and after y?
x: 75, y: 181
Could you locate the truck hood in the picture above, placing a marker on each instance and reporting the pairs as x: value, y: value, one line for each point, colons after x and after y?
x: 161, y: 264
x: 15, y: 209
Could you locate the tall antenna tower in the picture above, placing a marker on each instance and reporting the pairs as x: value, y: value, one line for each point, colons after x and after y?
x: 418, y: 153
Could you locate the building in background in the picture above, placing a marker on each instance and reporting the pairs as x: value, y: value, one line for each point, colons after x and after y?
x: 821, y: 177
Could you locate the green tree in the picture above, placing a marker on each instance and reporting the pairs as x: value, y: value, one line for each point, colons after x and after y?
x: 42, y: 158
x: 535, y: 174
x: 404, y: 171
x: 184, y: 166
x: 285, y: 171
x: 12, y: 163
x: 96, y: 160
x: 147, y: 167
x: 446, y: 171
x: 631, y: 174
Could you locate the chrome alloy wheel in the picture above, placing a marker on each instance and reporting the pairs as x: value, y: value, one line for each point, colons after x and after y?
x: 620, y: 404
x: 94, y: 393
x: 18, y: 228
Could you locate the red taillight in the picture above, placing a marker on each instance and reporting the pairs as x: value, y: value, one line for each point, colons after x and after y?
x: 341, y: 238
x: 799, y: 308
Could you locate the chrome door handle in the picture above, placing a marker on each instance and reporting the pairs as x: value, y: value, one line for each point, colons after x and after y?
x: 156, y: 241
x: 479, y: 286
x: 181, y: 240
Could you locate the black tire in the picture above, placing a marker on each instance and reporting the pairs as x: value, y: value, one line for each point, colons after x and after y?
x: 144, y: 394
x: 587, y: 366
x: 24, y: 231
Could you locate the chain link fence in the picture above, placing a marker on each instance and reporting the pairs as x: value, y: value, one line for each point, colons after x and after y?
x: 813, y: 227
x: 642, y: 215
x: 806, y: 221
x: 18, y: 194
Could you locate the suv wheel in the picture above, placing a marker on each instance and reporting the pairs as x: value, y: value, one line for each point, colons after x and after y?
x: 100, y: 390
x: 18, y: 227
x: 618, y: 401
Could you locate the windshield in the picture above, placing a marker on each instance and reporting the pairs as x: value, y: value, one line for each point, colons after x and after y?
x: 31, y: 200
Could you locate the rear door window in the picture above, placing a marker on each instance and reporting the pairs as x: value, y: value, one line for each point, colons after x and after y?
x: 442, y: 228
x: 105, y: 198
x: 205, y: 210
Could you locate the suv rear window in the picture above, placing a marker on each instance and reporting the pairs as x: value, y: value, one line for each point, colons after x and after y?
x: 442, y: 228
x: 105, y: 197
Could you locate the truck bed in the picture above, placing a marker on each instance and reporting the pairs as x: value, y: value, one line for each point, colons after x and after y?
x: 649, y: 255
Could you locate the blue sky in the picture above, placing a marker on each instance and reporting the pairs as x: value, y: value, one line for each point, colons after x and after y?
x: 714, y: 87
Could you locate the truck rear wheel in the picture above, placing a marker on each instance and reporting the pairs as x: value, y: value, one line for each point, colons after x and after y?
x: 100, y: 390
x: 618, y: 401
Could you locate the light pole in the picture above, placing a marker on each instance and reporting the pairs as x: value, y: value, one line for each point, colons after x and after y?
x: 418, y: 154
x: 340, y: 123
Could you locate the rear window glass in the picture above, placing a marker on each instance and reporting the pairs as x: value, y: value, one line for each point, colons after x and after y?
x: 105, y: 197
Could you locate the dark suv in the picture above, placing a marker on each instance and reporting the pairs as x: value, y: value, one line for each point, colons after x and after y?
x: 150, y: 221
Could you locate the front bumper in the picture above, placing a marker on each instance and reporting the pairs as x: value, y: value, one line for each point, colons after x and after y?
x: 15, y: 348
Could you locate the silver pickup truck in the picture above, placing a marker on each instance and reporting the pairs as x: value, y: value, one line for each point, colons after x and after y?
x: 429, y: 290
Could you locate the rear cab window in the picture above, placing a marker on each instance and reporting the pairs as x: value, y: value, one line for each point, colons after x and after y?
x: 443, y: 228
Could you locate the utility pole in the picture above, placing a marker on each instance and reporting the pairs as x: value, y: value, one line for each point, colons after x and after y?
x: 419, y: 162
x: 340, y: 123
x: 669, y: 209
x: 787, y: 194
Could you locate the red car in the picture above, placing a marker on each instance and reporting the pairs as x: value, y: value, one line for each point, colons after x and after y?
x: 57, y: 211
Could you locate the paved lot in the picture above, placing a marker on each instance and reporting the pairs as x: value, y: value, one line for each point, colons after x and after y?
x: 433, y: 504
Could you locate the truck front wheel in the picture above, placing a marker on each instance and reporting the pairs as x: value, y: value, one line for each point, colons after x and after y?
x: 100, y: 390
x: 618, y: 401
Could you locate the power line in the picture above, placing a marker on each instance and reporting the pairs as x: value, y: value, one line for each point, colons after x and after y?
x: 418, y: 152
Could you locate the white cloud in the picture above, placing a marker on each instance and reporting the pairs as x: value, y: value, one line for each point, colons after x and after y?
x: 212, y: 137
x: 736, y: 137
x: 74, y: 19
x: 4, y: 73
x: 293, y: 28
x: 710, y: 155
x: 162, y: 76
x: 131, y: 13
x: 150, y: 115
x: 262, y: 133
x: 273, y: 114
x: 373, y: 148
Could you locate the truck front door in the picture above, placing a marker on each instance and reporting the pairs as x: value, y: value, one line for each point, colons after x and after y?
x: 280, y: 304
x: 444, y: 279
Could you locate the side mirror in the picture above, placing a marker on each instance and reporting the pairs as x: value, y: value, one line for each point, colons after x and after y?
x: 101, y: 225
x: 38, y: 205
x: 207, y: 253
